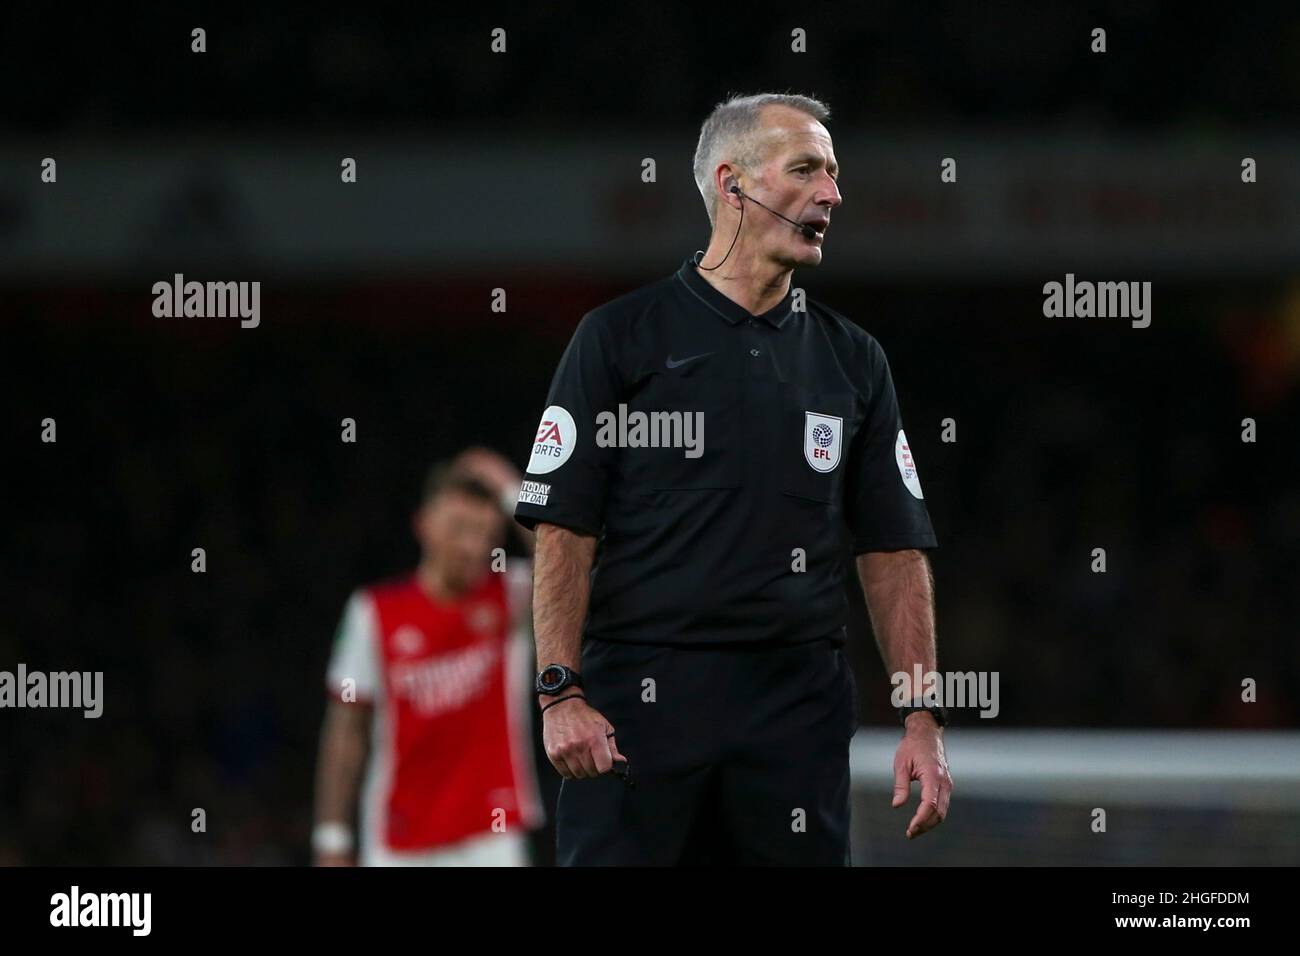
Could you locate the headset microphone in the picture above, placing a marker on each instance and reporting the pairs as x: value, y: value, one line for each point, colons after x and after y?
x: 807, y: 231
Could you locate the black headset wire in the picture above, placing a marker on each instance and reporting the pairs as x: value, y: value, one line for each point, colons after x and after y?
x: 699, y: 256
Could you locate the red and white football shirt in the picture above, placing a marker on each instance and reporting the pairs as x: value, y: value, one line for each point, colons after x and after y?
x: 451, y: 750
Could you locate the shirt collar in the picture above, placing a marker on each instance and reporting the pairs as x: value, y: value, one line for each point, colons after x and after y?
x: 733, y: 312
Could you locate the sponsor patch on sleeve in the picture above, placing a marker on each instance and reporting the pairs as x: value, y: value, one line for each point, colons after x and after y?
x: 556, y: 436
x: 534, y: 493
x: 906, y: 466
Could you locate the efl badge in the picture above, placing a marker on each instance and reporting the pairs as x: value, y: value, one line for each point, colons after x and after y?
x: 822, y: 438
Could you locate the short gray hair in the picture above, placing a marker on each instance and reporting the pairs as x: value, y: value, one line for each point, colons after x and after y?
x: 727, y: 135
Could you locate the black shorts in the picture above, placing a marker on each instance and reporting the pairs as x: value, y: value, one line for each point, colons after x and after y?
x: 739, y: 755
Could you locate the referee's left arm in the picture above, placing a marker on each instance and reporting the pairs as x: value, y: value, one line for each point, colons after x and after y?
x: 899, y: 591
x: 890, y: 526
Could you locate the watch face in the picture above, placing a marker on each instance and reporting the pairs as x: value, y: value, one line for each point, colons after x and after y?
x: 552, y: 677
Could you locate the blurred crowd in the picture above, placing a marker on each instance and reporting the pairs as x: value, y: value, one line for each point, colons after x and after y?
x: 895, y: 63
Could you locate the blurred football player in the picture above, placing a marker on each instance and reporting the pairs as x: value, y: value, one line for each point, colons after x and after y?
x: 428, y: 685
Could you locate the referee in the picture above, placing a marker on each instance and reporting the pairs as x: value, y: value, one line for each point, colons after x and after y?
x: 711, y: 445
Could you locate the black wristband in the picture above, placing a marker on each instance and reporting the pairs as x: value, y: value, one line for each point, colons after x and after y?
x: 562, y: 700
x: 939, y: 713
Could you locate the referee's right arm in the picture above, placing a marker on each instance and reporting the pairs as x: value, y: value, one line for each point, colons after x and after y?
x: 575, y: 734
x: 566, y: 485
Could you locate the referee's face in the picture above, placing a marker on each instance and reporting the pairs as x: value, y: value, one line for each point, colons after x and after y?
x: 798, y: 180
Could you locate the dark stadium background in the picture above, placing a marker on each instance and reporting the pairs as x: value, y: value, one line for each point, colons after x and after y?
x: 177, y: 434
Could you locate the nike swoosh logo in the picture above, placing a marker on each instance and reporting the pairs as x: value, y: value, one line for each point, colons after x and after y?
x: 680, y: 362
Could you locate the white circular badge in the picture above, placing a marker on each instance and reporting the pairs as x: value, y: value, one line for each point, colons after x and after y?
x: 556, y: 436
x: 906, y: 466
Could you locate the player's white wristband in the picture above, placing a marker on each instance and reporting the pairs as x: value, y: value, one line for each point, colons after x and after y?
x: 331, y: 838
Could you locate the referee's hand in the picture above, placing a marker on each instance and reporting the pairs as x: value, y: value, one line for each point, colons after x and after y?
x: 920, y: 757
x: 579, y: 740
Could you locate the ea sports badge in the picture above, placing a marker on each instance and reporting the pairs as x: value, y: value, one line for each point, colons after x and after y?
x: 556, y: 436
x: 823, y: 435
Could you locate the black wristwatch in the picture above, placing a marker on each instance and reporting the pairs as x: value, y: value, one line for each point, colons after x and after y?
x: 940, y: 714
x: 555, y: 678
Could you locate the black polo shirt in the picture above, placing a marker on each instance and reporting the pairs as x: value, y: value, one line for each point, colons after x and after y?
x: 742, y: 534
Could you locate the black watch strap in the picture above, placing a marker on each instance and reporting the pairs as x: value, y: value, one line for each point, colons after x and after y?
x: 940, y: 714
x: 556, y: 679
